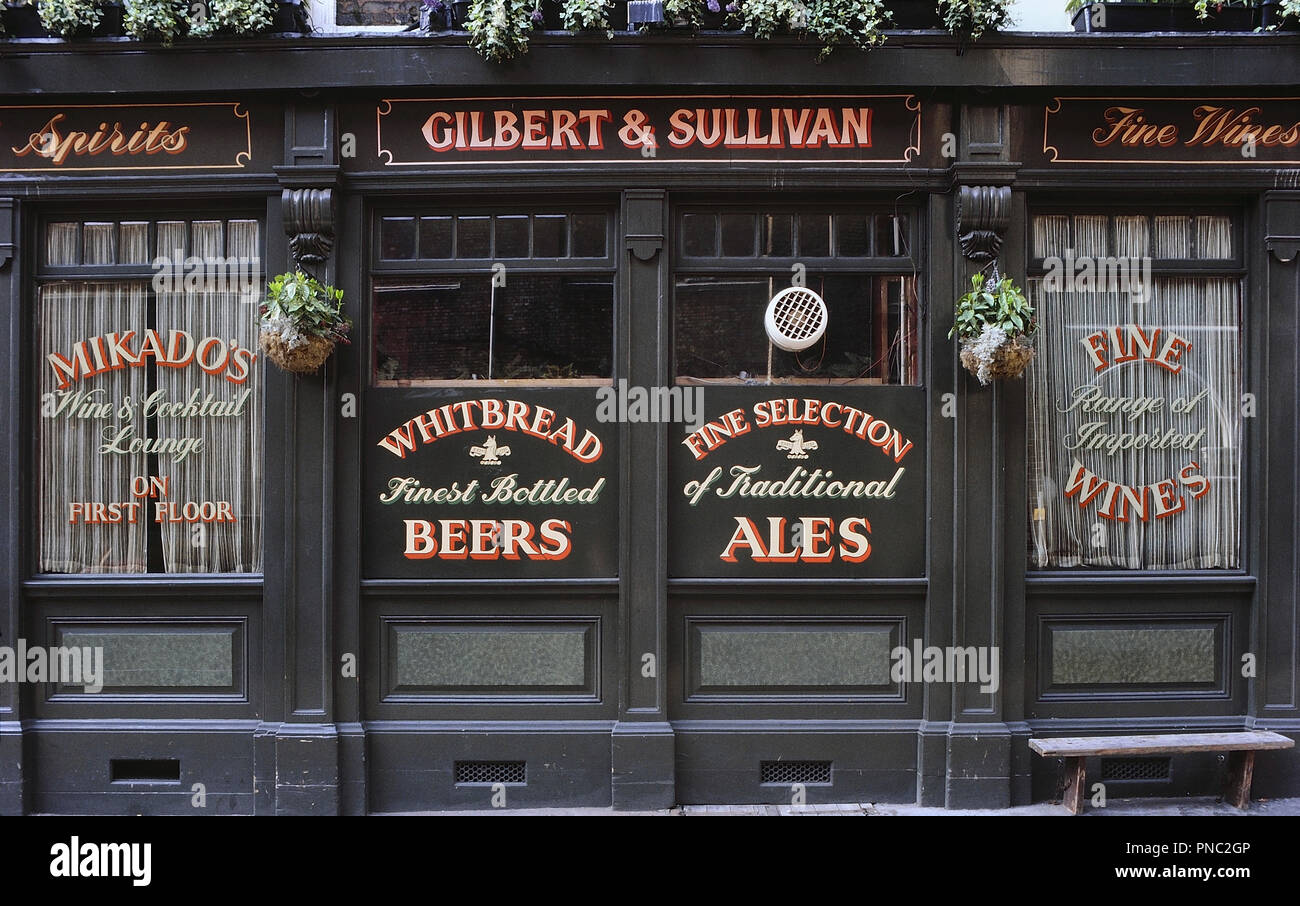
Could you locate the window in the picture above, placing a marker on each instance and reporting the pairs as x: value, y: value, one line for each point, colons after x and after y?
x: 150, y: 435
x: 730, y: 264
x: 1135, y: 399
x: 493, y: 298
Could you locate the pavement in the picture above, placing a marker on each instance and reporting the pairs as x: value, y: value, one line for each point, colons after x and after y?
x: 1208, y: 805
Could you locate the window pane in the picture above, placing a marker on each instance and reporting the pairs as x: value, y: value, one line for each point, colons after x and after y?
x: 397, y: 238
x: 512, y: 237
x: 589, y: 235
x: 777, y: 241
x: 61, y: 244
x: 853, y: 235
x: 473, y: 237
x: 99, y: 243
x: 173, y: 239
x: 738, y: 235
x: 435, y: 237
x: 549, y: 240
x: 1135, y: 423
x: 814, y: 235
x: 135, y: 243
x: 891, y: 234
x: 150, y: 439
x: 545, y: 328
x: 699, y: 236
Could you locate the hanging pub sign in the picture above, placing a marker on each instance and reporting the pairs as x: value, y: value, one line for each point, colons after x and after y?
x: 490, y: 485
x: 80, y: 137
x: 1172, y: 131
x: 801, y: 482
x: 559, y: 130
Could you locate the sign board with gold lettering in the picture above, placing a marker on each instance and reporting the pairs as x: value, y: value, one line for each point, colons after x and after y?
x: 71, y: 137
x: 1172, y: 131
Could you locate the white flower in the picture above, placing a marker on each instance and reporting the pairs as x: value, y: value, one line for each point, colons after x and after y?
x: 985, y: 347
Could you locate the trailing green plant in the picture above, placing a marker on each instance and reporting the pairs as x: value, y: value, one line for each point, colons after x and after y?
x: 234, y: 17
x: 1290, y: 8
x: 857, y: 22
x: 764, y: 18
x: 688, y: 12
x: 68, y: 18
x: 499, y: 29
x: 974, y: 17
x: 580, y: 15
x: 155, y: 20
x: 996, y: 302
x: 298, y: 306
x: 1203, y: 7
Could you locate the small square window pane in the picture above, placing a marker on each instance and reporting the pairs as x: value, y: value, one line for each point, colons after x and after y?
x: 397, y: 238
x: 549, y: 239
x: 473, y: 237
x: 738, y: 235
x: 852, y: 235
x: 207, y: 238
x: 777, y: 239
x: 172, y: 236
x: 435, y: 237
x: 814, y: 235
x: 699, y: 235
x: 61, y: 244
x: 512, y: 237
x: 589, y: 235
x: 891, y: 234
x: 134, y: 237
x: 99, y: 243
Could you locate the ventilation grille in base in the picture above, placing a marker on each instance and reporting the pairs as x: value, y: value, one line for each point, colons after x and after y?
x: 490, y: 772
x: 1119, y: 770
x: 790, y: 772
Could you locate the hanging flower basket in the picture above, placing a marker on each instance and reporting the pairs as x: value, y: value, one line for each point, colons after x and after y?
x: 302, y: 322
x: 994, y: 356
x: 994, y: 322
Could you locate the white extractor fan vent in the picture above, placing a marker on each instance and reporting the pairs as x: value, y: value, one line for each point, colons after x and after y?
x: 795, y: 318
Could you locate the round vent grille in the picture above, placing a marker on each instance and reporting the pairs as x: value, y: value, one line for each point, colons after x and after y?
x: 795, y: 318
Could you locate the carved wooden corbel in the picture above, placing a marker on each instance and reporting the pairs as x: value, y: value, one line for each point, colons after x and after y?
x: 309, y: 223
x: 983, y: 213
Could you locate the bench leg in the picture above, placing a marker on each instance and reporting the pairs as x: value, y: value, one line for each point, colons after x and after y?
x: 1072, y: 797
x: 1241, y: 767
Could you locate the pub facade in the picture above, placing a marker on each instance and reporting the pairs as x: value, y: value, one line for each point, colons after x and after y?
x: 562, y: 523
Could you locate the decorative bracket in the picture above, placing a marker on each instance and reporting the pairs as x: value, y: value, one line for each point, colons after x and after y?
x: 1282, y: 224
x: 309, y: 222
x: 983, y: 213
x: 644, y: 222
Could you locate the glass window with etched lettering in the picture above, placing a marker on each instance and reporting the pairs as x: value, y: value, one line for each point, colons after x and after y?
x: 1136, y: 396
x: 149, y: 440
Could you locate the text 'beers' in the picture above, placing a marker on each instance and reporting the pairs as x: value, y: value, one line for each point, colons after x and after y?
x: 487, y: 539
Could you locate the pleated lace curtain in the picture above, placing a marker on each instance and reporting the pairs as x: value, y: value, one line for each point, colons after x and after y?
x: 72, y: 467
x: 1206, y: 311
x: 229, y: 468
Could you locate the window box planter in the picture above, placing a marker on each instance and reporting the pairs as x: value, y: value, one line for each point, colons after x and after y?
x: 1162, y: 17
x: 24, y: 21
x: 1271, y: 16
x: 915, y: 15
x: 290, y: 19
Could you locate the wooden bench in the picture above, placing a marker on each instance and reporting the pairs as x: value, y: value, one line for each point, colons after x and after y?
x: 1241, y: 760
